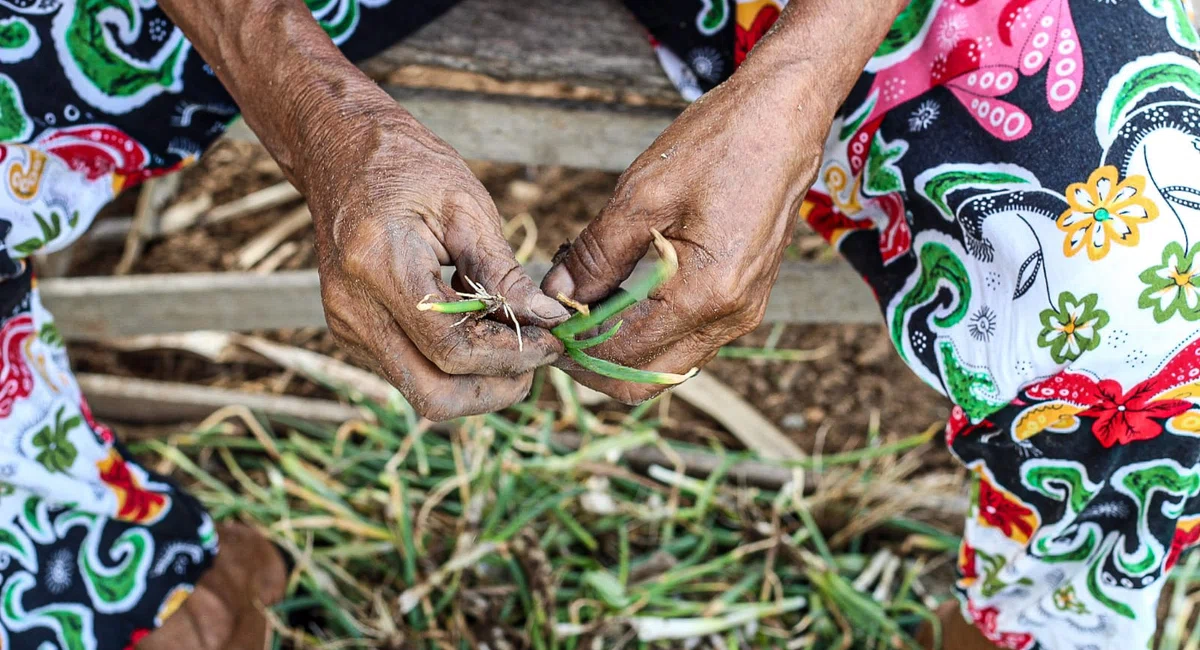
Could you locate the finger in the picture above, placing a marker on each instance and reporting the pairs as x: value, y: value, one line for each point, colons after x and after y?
x: 685, y: 304
x: 603, y: 255
x: 482, y: 254
x: 432, y: 392
x: 474, y: 346
x: 691, y: 352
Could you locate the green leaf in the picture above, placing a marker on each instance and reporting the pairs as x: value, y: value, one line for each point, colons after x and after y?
x: 50, y: 335
x: 907, y: 26
x: 623, y: 373
x: 456, y: 307
x: 28, y: 247
x: 856, y: 119
x: 974, y: 390
x: 936, y: 187
x: 592, y: 342
x: 48, y: 233
x: 664, y: 270
x: 15, y: 33
x: 15, y: 125
x: 883, y: 176
x: 938, y: 265
x: 1140, y: 78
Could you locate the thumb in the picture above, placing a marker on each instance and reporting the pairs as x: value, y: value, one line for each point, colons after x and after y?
x: 489, y: 261
x: 599, y: 260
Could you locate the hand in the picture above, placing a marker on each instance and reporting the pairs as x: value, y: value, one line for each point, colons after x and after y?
x: 391, y: 203
x: 398, y: 203
x: 724, y: 184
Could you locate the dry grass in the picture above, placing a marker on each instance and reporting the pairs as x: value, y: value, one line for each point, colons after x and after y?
x: 549, y: 528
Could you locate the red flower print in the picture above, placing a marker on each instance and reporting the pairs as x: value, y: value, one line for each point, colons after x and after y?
x: 16, y: 379
x: 960, y: 425
x: 895, y: 239
x: 97, y: 150
x: 104, y: 433
x: 1187, y: 535
x: 967, y: 572
x: 745, y: 38
x: 139, y: 635
x: 829, y: 222
x: 962, y: 59
x: 1003, y: 511
x: 134, y: 503
x: 957, y: 424
x: 985, y: 620
x: 1122, y: 418
x: 1009, y: 17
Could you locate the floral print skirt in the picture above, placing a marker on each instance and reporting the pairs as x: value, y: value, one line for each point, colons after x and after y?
x: 1017, y: 180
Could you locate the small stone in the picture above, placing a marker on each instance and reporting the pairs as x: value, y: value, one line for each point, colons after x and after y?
x: 814, y: 414
x: 794, y: 421
x: 524, y: 191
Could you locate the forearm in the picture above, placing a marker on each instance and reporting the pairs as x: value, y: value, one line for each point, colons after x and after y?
x: 297, y: 91
x: 818, y: 48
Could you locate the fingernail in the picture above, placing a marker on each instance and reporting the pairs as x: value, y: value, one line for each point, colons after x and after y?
x: 548, y: 308
x: 558, y: 280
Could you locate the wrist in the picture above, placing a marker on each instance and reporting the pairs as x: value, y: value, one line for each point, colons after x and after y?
x: 819, y: 48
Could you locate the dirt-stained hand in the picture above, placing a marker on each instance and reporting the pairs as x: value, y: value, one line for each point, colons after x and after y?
x: 724, y: 184
x: 399, y: 203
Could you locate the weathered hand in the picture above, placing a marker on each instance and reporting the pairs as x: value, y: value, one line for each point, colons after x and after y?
x: 724, y: 184
x: 391, y: 203
x: 398, y: 204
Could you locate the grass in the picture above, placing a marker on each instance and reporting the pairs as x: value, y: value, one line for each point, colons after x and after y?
x: 535, y: 529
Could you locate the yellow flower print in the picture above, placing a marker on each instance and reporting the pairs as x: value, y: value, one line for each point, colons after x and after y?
x: 1104, y: 211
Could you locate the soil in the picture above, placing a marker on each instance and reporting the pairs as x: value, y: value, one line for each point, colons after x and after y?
x: 830, y: 402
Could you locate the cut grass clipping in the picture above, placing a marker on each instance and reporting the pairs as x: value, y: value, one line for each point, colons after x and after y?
x: 480, y: 303
x: 551, y: 528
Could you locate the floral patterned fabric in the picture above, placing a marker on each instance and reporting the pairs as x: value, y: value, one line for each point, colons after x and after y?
x: 1017, y: 180
x: 95, y: 97
x: 1019, y: 183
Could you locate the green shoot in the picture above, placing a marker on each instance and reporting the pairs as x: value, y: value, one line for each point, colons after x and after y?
x: 456, y: 307
x: 585, y: 320
x: 622, y: 373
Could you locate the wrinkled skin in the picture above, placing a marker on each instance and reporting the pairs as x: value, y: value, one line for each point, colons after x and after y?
x: 225, y: 612
x: 724, y: 183
x: 391, y: 204
x: 410, y: 207
x: 726, y: 192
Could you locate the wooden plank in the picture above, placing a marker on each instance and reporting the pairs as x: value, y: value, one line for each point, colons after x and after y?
x: 102, y: 307
x: 592, y: 43
x: 145, y: 401
x: 606, y: 137
x: 531, y: 131
x: 606, y: 50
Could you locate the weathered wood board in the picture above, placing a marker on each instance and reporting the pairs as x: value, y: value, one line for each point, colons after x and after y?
x: 102, y: 307
x: 591, y: 43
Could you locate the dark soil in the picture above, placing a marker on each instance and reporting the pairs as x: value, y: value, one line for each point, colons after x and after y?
x: 834, y: 399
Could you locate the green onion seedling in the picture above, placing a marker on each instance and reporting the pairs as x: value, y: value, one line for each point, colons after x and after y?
x: 480, y: 303
x: 471, y: 305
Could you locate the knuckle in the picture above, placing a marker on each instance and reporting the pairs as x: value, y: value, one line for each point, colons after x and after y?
x: 650, y: 195
x: 636, y: 394
x: 438, y: 412
x: 452, y: 353
x: 341, y: 329
x: 589, y: 252
x: 751, y: 318
x: 729, y: 294
x: 363, y: 247
x: 431, y: 403
x: 511, y: 279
